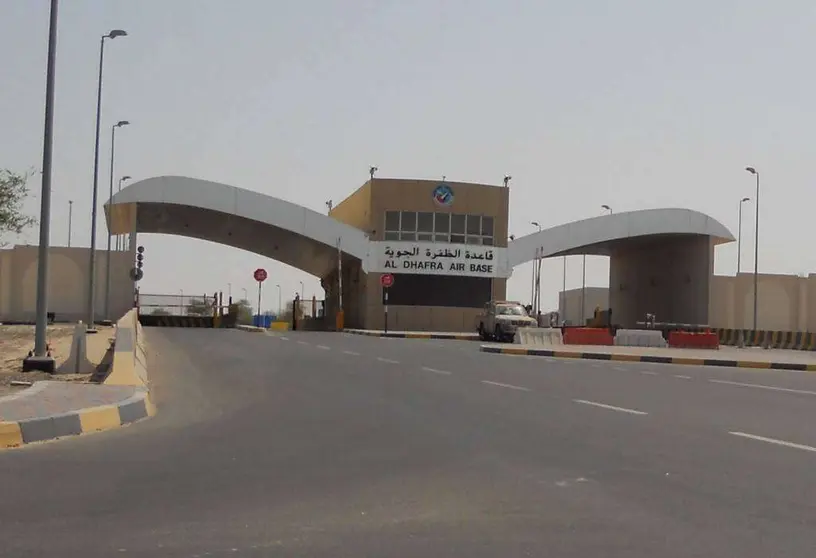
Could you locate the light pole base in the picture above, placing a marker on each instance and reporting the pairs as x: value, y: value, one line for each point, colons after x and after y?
x: 39, y: 364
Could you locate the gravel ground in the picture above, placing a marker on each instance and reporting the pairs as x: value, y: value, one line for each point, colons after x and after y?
x: 16, y: 341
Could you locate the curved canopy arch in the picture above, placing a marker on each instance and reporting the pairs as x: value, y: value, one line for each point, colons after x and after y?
x: 597, y: 235
x: 271, y: 227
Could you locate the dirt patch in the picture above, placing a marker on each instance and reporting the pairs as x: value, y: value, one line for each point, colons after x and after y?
x: 17, y: 341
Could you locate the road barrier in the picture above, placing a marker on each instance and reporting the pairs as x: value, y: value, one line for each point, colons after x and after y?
x: 694, y: 340
x: 796, y: 340
x: 587, y: 336
x: 129, y: 366
x: 538, y: 336
x: 153, y: 320
x: 640, y: 338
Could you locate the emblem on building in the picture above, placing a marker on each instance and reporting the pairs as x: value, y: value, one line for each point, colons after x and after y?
x: 443, y: 194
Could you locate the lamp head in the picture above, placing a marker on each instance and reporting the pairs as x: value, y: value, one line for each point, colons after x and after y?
x: 752, y: 170
x: 116, y: 33
x: 745, y: 199
x: 126, y: 177
x: 121, y: 123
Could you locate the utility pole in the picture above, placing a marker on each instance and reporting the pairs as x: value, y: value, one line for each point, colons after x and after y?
x: 70, y: 220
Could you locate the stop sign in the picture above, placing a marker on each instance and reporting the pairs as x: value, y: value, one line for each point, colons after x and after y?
x: 386, y: 280
x: 260, y: 275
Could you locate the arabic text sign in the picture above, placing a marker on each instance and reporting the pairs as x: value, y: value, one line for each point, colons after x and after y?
x: 428, y: 258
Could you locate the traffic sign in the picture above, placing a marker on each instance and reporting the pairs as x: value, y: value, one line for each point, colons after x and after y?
x: 386, y: 280
x: 260, y: 275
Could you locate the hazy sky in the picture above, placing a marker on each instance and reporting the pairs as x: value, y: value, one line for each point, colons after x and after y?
x: 635, y: 104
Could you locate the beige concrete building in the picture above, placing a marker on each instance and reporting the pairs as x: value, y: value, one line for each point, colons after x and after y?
x: 569, y: 304
x: 67, y: 284
x: 784, y: 302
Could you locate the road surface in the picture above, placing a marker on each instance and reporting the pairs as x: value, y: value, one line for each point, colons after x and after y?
x: 319, y: 444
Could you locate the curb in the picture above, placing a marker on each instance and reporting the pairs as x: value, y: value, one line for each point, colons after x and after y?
x: 82, y: 421
x: 399, y: 335
x: 761, y: 365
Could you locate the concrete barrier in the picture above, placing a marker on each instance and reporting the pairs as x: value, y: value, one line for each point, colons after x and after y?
x: 538, y: 336
x: 129, y: 366
x: 640, y: 338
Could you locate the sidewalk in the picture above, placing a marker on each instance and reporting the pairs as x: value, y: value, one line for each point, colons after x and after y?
x: 415, y: 334
x: 779, y: 359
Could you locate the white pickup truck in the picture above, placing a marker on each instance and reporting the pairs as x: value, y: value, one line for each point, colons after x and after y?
x: 501, y: 318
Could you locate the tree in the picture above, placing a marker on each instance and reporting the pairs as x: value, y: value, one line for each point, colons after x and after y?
x: 244, y: 312
x: 13, y: 192
x: 159, y: 312
x: 199, y: 307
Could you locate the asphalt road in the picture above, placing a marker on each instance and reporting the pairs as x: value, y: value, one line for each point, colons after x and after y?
x: 311, y: 444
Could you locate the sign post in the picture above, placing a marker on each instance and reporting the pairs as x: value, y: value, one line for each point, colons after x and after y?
x: 386, y: 280
x: 260, y: 276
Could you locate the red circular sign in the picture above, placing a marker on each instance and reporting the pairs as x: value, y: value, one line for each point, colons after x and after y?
x: 386, y: 280
x: 260, y: 275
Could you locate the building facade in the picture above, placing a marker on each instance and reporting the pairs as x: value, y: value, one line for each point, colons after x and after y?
x: 446, y: 242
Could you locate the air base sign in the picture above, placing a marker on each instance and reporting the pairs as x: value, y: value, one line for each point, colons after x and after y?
x: 428, y: 258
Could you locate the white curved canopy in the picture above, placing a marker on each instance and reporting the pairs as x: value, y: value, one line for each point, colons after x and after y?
x: 595, y: 235
x: 282, y: 230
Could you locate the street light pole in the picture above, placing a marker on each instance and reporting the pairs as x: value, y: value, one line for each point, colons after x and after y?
x: 301, y: 290
x: 120, y: 240
x: 70, y: 220
x: 41, y: 359
x: 108, y: 252
x: 739, y: 235
x: 92, y: 256
x: 753, y: 171
x: 583, y: 290
x: 280, y: 309
x: 536, y: 266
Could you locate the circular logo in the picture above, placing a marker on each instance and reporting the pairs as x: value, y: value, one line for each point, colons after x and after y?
x: 443, y: 194
x: 386, y: 280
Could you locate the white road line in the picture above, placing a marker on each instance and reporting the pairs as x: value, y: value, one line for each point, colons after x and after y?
x: 388, y: 360
x: 680, y: 376
x: 324, y: 347
x: 774, y: 441
x: 351, y: 353
x: 303, y: 342
x: 435, y: 371
x: 761, y: 386
x: 508, y: 386
x: 648, y: 373
x: 610, y: 407
x: 619, y: 368
x: 282, y: 338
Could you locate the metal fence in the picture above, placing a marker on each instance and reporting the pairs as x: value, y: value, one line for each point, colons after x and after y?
x: 180, y: 304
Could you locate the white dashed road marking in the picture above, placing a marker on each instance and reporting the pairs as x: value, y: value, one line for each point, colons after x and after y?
x: 282, y: 338
x: 774, y: 441
x: 682, y: 377
x: 610, y: 407
x: 388, y: 360
x: 761, y: 386
x: 508, y: 386
x: 302, y: 343
x: 324, y: 347
x: 435, y: 371
x: 648, y: 372
x: 351, y: 353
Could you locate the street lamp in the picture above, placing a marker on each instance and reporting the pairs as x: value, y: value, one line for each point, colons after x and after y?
x: 110, y: 196
x: 535, y: 264
x: 70, y: 220
x: 753, y: 171
x: 371, y: 171
x: 329, y: 205
x: 280, y: 310
x: 739, y: 234
x: 507, y: 179
x: 92, y: 257
x: 41, y: 360
x: 301, y: 290
x: 120, y: 241
x: 607, y: 208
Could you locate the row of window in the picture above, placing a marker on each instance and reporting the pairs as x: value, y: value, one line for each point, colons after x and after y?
x: 439, y: 227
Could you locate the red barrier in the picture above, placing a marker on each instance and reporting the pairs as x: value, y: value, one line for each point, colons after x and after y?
x: 587, y: 336
x: 689, y: 340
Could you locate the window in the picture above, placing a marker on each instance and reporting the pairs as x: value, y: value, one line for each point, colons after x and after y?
x: 425, y: 222
x: 425, y: 226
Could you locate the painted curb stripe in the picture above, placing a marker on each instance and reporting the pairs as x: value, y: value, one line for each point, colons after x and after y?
x: 10, y: 435
x: 652, y: 359
x: 413, y: 335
